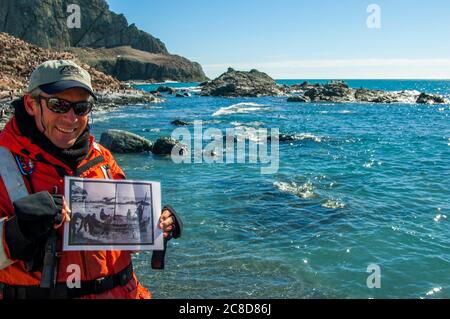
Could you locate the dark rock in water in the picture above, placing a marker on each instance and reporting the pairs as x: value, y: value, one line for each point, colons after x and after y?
x: 246, y: 84
x: 340, y: 92
x: 299, y: 98
x: 183, y: 94
x: 333, y: 92
x: 164, y: 146
x: 124, y: 142
x: 166, y: 89
x: 284, y: 138
x: 429, y: 99
x: 180, y: 123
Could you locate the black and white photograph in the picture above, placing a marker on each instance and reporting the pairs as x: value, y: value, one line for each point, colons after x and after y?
x: 112, y: 214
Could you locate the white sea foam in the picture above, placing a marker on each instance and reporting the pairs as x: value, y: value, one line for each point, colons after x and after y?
x: 211, y: 122
x: 439, y: 217
x: 256, y: 123
x: 308, y: 137
x: 240, y: 108
x: 250, y: 133
x: 337, y: 112
x: 107, y: 116
x: 434, y: 291
x: 305, y: 190
x: 190, y: 88
x: 331, y: 203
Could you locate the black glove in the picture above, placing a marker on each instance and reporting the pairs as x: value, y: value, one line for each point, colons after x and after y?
x: 27, y: 232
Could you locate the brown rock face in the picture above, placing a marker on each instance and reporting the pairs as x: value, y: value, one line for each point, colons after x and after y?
x: 19, y: 58
x: 45, y: 24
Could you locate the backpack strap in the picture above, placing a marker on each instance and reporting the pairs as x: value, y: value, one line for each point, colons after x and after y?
x: 11, y: 176
x: 15, y: 186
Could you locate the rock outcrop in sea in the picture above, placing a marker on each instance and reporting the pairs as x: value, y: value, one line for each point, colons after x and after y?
x: 239, y: 83
x: 254, y: 84
x: 116, y: 48
x: 119, y: 141
x: 180, y: 123
x: 165, y: 145
x: 340, y: 92
x: 124, y: 142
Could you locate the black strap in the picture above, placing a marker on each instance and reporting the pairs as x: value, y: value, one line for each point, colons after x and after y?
x: 61, y: 291
x: 88, y: 165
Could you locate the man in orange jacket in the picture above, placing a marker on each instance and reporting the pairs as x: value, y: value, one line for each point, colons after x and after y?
x: 49, y: 138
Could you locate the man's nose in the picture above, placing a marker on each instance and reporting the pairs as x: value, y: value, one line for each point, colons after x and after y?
x: 71, y: 115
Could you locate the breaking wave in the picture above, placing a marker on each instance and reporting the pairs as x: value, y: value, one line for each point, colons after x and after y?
x: 305, y: 190
x: 239, y: 108
x: 331, y: 203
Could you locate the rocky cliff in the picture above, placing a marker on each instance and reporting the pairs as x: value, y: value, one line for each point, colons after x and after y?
x: 126, y: 63
x: 19, y: 58
x: 45, y: 24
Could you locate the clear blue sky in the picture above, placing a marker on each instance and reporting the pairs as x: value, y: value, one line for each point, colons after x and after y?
x: 302, y: 39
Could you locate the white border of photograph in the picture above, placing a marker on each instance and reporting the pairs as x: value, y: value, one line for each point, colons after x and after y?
x: 155, y: 209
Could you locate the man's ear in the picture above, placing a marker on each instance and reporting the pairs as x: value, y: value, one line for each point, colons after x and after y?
x: 30, y: 104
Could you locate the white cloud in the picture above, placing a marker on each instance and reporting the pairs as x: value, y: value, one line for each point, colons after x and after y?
x: 344, y: 68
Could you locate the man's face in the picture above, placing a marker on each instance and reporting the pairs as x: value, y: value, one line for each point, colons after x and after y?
x: 61, y: 129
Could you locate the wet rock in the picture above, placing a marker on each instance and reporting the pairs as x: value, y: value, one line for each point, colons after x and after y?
x: 165, y: 145
x: 299, y: 98
x: 124, y: 142
x: 331, y: 92
x: 284, y: 138
x: 238, y: 83
x: 180, y: 123
x: 430, y: 99
x: 340, y: 92
x: 166, y: 89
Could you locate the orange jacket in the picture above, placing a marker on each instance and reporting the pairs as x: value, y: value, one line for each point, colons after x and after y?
x: 45, y: 177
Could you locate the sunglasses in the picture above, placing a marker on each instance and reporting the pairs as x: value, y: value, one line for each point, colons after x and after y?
x: 62, y: 106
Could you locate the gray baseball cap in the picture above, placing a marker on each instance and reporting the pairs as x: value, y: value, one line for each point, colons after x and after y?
x: 55, y: 76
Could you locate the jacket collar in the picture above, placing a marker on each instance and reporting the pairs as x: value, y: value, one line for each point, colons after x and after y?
x: 12, y: 139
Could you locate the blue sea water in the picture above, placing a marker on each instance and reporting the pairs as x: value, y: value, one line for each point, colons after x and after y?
x: 365, y: 184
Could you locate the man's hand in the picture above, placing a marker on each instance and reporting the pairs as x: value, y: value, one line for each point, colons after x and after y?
x: 170, y: 223
x: 166, y: 222
x: 172, y: 226
x: 66, y: 213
